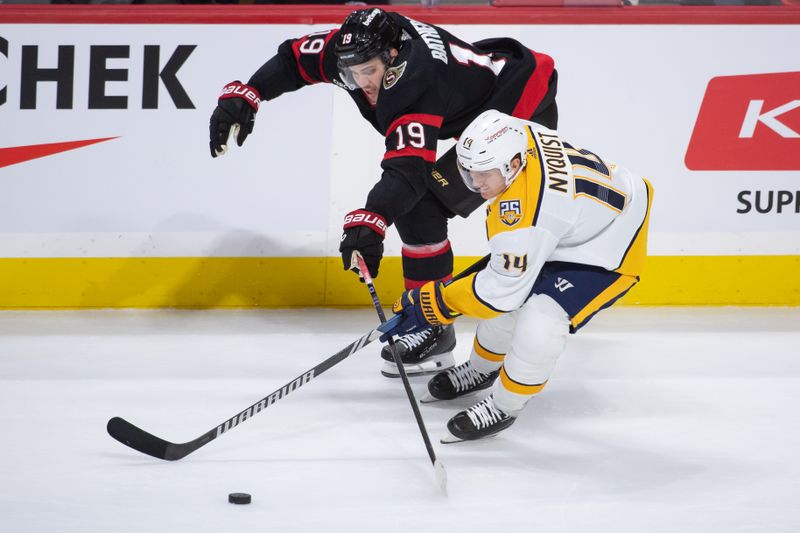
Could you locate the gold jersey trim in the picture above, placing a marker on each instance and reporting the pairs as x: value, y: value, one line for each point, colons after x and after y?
x: 527, y: 190
x: 632, y: 263
x: 622, y: 285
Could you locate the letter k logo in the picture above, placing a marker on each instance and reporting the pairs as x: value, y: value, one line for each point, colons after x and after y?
x: 769, y: 119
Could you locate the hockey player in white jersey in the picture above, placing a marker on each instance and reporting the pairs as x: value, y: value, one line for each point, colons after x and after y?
x: 568, y: 237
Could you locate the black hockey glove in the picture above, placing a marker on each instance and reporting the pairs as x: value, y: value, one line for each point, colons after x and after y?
x: 236, y: 108
x: 363, y: 231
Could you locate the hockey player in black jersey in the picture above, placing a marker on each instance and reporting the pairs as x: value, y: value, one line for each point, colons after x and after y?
x: 415, y: 83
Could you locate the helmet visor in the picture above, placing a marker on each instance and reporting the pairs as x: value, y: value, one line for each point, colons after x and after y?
x: 346, y: 75
x: 346, y: 67
x: 466, y: 177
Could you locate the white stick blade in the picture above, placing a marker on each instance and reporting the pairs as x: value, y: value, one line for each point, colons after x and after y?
x: 232, y: 134
x: 441, y: 475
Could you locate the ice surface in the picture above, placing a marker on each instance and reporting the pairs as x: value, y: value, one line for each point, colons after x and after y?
x: 668, y: 420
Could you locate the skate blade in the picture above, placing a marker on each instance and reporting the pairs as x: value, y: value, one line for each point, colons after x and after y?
x: 452, y: 439
x: 395, y: 374
x: 434, y: 365
x: 429, y: 398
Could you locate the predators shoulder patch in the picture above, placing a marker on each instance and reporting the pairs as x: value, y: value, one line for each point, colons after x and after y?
x: 393, y: 74
x: 510, y: 212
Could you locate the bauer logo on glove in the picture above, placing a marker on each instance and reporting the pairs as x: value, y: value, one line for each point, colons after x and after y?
x: 234, y: 116
x: 240, y: 90
x: 361, y: 217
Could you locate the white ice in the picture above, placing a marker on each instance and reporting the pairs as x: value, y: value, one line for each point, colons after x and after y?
x: 665, y: 420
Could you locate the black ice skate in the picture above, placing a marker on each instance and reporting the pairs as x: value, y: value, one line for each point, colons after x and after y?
x: 422, y: 353
x: 458, y: 381
x: 480, y: 420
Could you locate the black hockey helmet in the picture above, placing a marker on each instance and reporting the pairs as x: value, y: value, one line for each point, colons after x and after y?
x: 365, y: 34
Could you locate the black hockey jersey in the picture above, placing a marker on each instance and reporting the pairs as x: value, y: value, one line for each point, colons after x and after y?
x: 433, y: 89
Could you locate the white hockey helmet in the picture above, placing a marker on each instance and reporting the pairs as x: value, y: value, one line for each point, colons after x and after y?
x: 491, y: 141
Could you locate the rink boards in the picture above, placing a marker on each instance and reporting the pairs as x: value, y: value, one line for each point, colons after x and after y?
x: 110, y: 197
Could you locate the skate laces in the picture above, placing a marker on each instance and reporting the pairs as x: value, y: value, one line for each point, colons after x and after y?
x: 464, y: 377
x: 412, y: 340
x: 484, y: 414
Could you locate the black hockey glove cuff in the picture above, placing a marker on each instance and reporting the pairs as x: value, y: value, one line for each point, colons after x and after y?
x: 363, y: 231
x: 236, y: 108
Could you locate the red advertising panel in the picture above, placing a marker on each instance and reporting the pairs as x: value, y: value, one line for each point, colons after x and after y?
x: 749, y: 122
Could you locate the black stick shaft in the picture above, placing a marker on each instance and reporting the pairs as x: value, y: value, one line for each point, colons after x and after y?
x: 142, y: 441
x: 396, y: 356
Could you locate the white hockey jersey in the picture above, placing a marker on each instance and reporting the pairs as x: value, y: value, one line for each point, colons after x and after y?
x: 566, y: 205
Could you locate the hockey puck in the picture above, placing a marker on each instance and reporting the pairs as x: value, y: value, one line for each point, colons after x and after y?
x: 239, y: 498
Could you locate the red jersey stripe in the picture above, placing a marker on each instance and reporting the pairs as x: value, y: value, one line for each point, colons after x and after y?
x: 427, y: 155
x: 536, y: 87
x: 422, y: 118
x: 322, y: 55
x: 296, y: 50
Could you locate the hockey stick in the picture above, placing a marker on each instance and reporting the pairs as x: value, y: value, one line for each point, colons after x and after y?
x: 144, y: 442
x: 438, y: 467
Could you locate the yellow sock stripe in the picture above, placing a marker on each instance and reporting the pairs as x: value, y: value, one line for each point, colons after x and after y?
x: 517, y: 387
x: 622, y: 284
x: 487, y: 354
